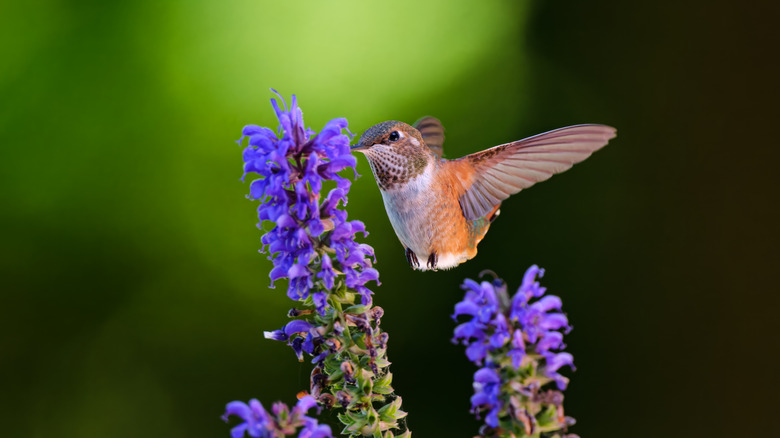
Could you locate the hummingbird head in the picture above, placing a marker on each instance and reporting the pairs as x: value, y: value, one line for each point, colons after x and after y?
x: 395, y: 151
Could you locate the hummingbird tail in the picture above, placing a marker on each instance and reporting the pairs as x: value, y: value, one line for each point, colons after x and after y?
x: 494, y: 214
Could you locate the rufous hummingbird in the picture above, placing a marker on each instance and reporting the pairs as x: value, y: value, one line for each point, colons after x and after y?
x: 441, y: 209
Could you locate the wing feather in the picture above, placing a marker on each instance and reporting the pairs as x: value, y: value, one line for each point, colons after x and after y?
x: 432, y: 133
x: 506, y: 169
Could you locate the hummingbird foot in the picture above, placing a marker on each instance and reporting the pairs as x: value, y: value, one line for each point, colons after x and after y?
x: 433, y: 261
x: 411, y: 257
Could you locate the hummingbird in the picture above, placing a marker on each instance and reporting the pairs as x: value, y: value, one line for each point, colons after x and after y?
x: 441, y: 209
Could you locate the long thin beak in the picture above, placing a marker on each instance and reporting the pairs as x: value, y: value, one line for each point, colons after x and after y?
x: 358, y: 148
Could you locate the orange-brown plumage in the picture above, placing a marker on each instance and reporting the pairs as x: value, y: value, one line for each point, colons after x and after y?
x: 451, y: 182
x: 441, y: 209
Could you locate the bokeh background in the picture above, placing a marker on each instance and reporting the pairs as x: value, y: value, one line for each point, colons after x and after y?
x: 133, y: 297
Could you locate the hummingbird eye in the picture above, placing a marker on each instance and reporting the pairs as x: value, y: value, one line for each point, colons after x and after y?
x: 394, y: 136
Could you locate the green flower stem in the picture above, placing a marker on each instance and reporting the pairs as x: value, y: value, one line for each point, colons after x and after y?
x: 355, y: 376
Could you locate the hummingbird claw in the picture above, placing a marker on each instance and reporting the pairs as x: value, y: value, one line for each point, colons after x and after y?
x: 411, y: 257
x: 433, y: 260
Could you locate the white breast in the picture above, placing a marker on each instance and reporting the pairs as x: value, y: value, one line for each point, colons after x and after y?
x: 407, y: 207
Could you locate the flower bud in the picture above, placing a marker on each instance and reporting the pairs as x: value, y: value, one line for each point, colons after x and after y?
x: 293, y: 313
x: 376, y: 314
x: 349, y: 371
x: 343, y: 398
x: 327, y: 400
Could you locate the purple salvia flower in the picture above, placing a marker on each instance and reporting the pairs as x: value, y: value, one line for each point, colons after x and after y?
x: 288, y: 333
x: 257, y: 423
x: 554, y: 362
x: 519, y: 340
x: 487, y: 329
x: 292, y: 166
x: 487, y: 389
x: 326, y: 274
x: 517, y: 353
x: 281, y: 422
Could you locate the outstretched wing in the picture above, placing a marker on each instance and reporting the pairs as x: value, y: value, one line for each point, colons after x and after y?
x: 506, y: 169
x: 432, y: 132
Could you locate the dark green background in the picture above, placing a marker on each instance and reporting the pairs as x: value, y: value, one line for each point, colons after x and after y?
x: 133, y: 299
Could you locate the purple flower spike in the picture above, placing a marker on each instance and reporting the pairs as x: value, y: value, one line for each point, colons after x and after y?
x: 292, y: 166
x: 519, y: 340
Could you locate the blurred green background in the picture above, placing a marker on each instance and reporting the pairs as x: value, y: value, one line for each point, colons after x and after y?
x: 133, y: 297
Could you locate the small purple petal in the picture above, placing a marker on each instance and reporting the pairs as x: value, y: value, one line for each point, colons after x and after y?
x: 550, y: 341
x: 297, y: 326
x: 237, y: 408
x: 550, y: 302
x: 554, y: 321
x: 465, y: 308
x: 276, y: 335
x: 555, y: 362
x: 486, y: 375
x: 238, y: 431
x: 497, y: 340
x: 320, y: 301
x: 304, y: 404
x: 286, y: 221
x: 476, y: 352
x: 492, y: 418
x: 298, y: 271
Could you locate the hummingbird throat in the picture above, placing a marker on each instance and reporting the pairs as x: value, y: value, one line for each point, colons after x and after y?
x: 392, y: 169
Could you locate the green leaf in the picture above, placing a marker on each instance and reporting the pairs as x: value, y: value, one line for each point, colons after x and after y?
x: 356, y: 309
x: 381, y: 361
x: 332, y: 364
x: 345, y: 419
x: 392, y: 411
x: 372, y: 426
x: 382, y: 384
x: 335, y: 376
x: 547, y: 420
x: 359, y: 338
x: 356, y: 422
x: 364, y: 381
